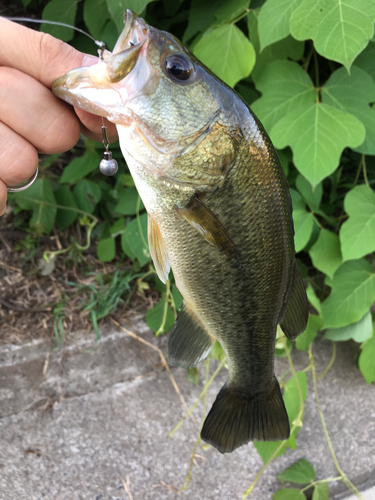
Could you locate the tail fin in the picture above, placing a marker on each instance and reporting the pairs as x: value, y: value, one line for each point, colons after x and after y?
x: 235, y: 419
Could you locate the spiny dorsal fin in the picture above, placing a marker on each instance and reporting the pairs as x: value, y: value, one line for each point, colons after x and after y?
x: 297, y: 311
x: 208, y: 225
x: 158, y: 251
x: 188, y: 343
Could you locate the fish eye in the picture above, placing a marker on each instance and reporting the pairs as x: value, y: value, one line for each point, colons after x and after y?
x: 179, y: 67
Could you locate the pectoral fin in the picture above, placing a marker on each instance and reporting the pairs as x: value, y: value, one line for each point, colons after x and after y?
x: 208, y: 225
x: 158, y: 251
x: 297, y: 311
x: 188, y: 343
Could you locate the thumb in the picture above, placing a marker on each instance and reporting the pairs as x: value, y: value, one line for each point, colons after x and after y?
x: 45, y: 58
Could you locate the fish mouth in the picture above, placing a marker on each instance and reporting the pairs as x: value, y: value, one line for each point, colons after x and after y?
x: 96, y: 88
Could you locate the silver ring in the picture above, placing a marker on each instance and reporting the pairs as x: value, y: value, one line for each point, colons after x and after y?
x: 24, y: 186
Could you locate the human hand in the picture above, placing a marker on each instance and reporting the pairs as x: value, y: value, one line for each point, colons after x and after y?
x: 32, y: 119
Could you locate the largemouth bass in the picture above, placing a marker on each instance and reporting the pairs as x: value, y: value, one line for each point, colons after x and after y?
x: 219, y: 214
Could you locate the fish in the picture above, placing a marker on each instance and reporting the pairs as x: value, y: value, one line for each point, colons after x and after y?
x: 219, y: 215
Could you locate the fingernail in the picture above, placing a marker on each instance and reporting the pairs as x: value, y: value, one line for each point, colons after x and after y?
x: 89, y: 60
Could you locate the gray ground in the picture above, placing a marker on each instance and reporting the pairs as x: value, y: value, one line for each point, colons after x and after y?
x: 75, y: 423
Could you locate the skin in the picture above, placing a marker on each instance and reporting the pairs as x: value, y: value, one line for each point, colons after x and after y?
x: 32, y: 119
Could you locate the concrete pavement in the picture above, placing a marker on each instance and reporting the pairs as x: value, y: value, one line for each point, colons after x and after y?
x: 76, y: 423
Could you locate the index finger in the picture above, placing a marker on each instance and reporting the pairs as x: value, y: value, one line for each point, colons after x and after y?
x: 45, y: 58
x: 35, y: 53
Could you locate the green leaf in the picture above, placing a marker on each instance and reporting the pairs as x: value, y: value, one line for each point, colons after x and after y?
x: 297, y: 201
x: 282, y: 344
x: 314, y: 324
x: 267, y: 448
x: 359, y: 331
x: 291, y: 397
x: 159, y: 313
x: 301, y: 472
x: 229, y: 11
x: 357, y: 234
x: 40, y: 199
x: 247, y: 93
x: 284, y: 160
x: 303, y: 226
x: 292, y: 403
x: 321, y: 492
x: 365, y: 60
x: 106, y: 249
x: 353, y: 93
x: 227, y: 52
x: 177, y: 297
x: 286, y: 48
x: 311, y: 196
x: 117, y: 228
x: 313, y: 299
x: 110, y: 34
x: 127, y: 180
x: 366, y: 358
x: 340, y: 29
x: 326, y: 132
x: 64, y: 197
x: 325, y: 253
x: 96, y: 15
x: 193, y: 375
x: 201, y: 16
x: 274, y: 19
x: 285, y: 87
x: 352, y: 294
x: 135, y: 245
x: 288, y: 494
x: 87, y: 195
x: 303, y: 221
x: 292, y: 116
x: 63, y: 11
x: 217, y: 352
x: 117, y: 9
x: 128, y: 202
x: 80, y: 167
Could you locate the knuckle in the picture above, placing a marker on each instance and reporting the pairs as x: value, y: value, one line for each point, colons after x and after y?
x: 18, y: 168
x: 53, y: 51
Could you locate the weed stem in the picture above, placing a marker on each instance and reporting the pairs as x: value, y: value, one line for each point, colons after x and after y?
x: 296, y: 424
x: 197, y: 442
x: 205, y: 389
x: 345, y: 480
x: 333, y: 357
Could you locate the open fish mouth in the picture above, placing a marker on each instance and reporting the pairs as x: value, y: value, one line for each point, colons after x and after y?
x: 96, y: 88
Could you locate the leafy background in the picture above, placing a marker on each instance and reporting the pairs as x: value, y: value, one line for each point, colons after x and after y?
x: 306, y: 68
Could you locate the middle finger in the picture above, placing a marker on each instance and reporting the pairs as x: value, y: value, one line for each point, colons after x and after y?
x: 33, y: 112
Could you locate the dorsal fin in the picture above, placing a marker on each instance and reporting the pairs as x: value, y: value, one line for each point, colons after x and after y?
x: 208, y: 225
x: 158, y: 251
x: 297, y: 311
x: 188, y: 343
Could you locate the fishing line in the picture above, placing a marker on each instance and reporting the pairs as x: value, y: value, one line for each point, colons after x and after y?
x: 99, y: 43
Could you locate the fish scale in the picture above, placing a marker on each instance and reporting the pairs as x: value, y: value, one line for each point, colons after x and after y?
x: 219, y: 215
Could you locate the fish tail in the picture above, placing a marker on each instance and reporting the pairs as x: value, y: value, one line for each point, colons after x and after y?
x: 236, y: 418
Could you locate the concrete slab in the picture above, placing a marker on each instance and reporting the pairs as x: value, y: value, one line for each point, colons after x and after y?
x: 105, y: 423
x: 368, y: 494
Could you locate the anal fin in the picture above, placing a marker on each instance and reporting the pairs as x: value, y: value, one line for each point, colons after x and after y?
x: 188, y: 343
x: 208, y: 225
x: 158, y: 251
x: 297, y: 311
